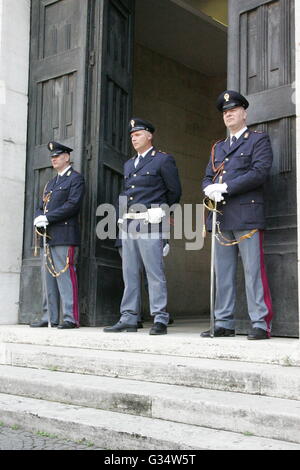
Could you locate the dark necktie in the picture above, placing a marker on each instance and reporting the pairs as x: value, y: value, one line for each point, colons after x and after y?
x: 137, y: 160
x: 233, y: 140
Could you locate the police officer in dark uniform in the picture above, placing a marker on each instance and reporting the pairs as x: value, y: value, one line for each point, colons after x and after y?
x: 235, y: 177
x: 151, y: 179
x: 58, y: 214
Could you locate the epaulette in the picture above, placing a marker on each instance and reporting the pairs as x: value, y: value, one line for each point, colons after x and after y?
x: 160, y: 151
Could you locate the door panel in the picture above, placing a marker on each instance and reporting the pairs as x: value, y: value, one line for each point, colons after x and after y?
x: 261, y: 66
x: 56, y: 109
x: 109, y: 107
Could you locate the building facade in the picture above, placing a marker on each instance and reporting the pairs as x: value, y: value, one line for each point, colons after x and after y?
x: 75, y: 71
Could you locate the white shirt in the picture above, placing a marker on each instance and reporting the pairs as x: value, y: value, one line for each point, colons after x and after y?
x: 238, y: 134
x: 141, y: 155
x: 65, y: 171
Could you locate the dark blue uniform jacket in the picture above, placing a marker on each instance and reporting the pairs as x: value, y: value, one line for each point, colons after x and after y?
x: 247, y: 164
x: 154, y: 181
x: 62, y: 209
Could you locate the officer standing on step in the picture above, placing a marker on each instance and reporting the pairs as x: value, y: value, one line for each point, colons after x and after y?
x: 57, y: 219
x: 235, y: 177
x: 151, y: 179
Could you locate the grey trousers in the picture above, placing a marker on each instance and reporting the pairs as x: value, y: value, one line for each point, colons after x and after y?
x: 136, y: 253
x: 257, y: 289
x: 61, y: 290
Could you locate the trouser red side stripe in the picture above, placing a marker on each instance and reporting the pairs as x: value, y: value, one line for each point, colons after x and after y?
x: 265, y: 283
x: 74, y: 285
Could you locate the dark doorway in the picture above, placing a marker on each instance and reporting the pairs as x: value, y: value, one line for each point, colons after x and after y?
x: 93, y: 63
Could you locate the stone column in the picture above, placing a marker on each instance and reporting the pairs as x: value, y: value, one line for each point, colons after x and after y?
x: 297, y: 98
x: 14, y: 68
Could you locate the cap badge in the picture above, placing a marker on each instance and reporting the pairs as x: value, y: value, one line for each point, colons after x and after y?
x: 226, y: 97
x: 132, y: 123
x: 51, y: 146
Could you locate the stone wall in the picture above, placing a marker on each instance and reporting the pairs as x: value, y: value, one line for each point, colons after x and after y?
x: 181, y: 103
x: 14, y: 66
x: 297, y: 98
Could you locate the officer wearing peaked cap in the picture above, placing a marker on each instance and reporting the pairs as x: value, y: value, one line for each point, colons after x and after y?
x: 58, y: 149
x: 57, y: 215
x: 235, y: 177
x: 150, y: 180
x: 231, y: 99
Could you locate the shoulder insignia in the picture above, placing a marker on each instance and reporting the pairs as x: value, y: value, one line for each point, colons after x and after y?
x: 258, y: 132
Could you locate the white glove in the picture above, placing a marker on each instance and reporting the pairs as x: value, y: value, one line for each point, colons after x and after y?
x: 219, y: 187
x: 41, y: 221
x: 166, y: 249
x: 155, y: 215
x: 216, y: 196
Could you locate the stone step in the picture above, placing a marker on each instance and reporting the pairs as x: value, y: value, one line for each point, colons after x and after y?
x: 117, y: 431
x: 234, y: 376
x: 183, y: 339
x: 240, y: 413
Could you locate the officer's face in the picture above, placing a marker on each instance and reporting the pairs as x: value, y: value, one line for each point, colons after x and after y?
x: 141, y: 140
x: 235, y: 118
x: 60, y: 162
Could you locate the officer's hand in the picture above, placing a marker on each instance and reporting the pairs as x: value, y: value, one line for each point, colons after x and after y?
x: 219, y: 187
x: 216, y: 196
x: 166, y: 249
x: 41, y: 221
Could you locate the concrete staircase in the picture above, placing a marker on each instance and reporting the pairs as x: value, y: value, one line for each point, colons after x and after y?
x: 133, y: 391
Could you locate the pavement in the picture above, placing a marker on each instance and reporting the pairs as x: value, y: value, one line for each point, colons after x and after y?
x: 15, y: 438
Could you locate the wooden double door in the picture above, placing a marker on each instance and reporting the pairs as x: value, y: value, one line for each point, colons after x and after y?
x: 80, y: 94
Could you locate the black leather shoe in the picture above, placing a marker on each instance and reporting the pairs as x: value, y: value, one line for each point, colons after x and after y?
x: 140, y: 324
x: 118, y: 327
x: 258, y: 333
x: 218, y: 332
x: 42, y: 324
x: 158, y: 329
x: 67, y: 325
